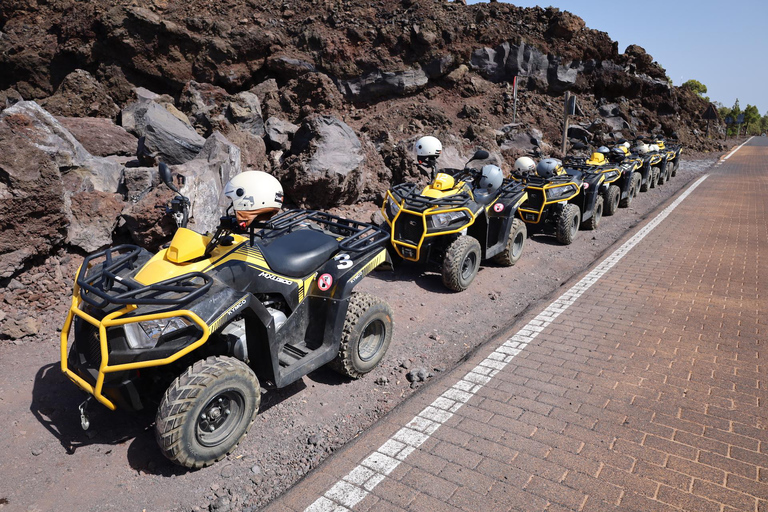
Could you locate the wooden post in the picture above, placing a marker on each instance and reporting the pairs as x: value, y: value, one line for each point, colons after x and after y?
x: 565, y: 120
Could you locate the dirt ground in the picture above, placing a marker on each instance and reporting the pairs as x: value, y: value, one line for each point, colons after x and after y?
x: 49, y: 463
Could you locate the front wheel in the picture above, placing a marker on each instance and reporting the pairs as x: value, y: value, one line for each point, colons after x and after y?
x: 207, y: 411
x: 675, y: 165
x: 597, y: 214
x: 611, y: 200
x: 654, y: 177
x: 461, y: 263
x: 365, y: 337
x: 568, y: 224
x: 515, y: 243
x: 662, y: 176
x: 634, y: 187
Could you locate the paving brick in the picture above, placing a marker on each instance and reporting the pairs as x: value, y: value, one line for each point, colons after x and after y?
x: 696, y: 469
x: 727, y: 464
x: 724, y: 495
x: 686, y: 500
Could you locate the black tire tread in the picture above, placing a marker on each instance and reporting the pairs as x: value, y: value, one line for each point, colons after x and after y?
x: 180, y: 396
x: 594, y: 220
x: 565, y: 234
x: 359, y: 303
x: 454, y: 258
x: 505, y: 258
x: 611, y: 200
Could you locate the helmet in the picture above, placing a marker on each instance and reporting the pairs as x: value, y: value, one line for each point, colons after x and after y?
x: 525, y: 164
x: 625, y: 144
x: 653, y: 147
x: 596, y: 159
x: 604, y: 150
x: 428, y: 149
x: 488, y: 183
x: 641, y: 148
x: 618, y: 153
x: 549, y: 167
x: 255, y: 195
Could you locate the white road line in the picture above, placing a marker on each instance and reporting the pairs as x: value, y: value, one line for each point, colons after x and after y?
x: 359, y: 482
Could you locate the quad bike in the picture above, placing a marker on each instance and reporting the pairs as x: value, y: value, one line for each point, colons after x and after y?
x: 620, y: 176
x: 653, y: 170
x: 672, y: 152
x: 560, y: 201
x: 455, y: 222
x: 200, y: 326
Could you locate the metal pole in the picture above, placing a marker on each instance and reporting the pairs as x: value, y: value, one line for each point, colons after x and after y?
x: 565, y: 120
x: 514, y: 95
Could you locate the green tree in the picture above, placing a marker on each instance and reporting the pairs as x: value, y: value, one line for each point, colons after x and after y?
x: 752, y: 119
x: 696, y: 86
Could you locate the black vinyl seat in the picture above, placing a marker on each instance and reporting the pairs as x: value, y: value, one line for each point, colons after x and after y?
x: 300, y: 252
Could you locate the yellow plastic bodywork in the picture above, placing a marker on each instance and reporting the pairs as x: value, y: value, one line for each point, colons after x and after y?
x: 442, y: 182
x: 596, y: 159
x: 546, y: 188
x: 187, y: 245
x: 110, y: 320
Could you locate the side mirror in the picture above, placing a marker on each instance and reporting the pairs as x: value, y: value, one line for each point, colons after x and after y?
x: 480, y: 154
x: 165, y: 175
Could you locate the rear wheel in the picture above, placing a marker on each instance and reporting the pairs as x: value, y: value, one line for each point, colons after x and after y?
x: 611, y: 200
x: 207, y: 411
x: 365, y: 337
x: 597, y: 214
x: 634, y: 187
x: 675, y: 165
x: 568, y: 224
x: 515, y: 243
x: 461, y: 263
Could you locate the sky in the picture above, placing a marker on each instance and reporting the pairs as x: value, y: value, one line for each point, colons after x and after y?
x: 723, y: 45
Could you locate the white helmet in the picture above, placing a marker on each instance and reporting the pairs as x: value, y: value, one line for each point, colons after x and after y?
x: 653, y: 147
x: 255, y: 195
x: 525, y: 164
x: 428, y: 149
x: 488, y: 183
x: 625, y: 144
x: 641, y: 148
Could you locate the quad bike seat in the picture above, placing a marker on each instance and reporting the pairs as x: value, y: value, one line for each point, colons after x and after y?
x: 298, y: 253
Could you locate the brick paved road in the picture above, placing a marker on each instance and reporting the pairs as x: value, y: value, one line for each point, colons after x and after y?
x: 642, y: 387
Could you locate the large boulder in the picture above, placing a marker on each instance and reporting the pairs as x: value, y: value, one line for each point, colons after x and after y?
x: 279, y: 134
x: 81, y: 95
x: 326, y: 166
x: 162, y: 136
x: 204, y: 180
x: 44, y: 173
x: 383, y: 83
x: 100, y: 136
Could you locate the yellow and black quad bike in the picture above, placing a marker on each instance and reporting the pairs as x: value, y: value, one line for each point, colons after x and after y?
x: 621, y: 176
x: 560, y: 200
x: 653, y: 168
x: 673, y: 152
x: 200, y: 326
x: 457, y: 221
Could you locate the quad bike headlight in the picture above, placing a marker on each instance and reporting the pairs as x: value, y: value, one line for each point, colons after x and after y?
x: 443, y: 220
x: 392, y: 207
x: 146, y: 334
x: 560, y: 192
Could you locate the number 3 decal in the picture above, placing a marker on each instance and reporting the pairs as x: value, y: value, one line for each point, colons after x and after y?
x: 343, y: 261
